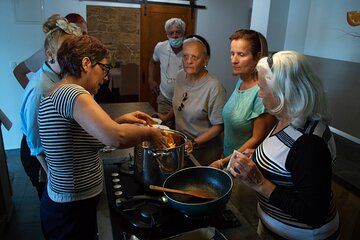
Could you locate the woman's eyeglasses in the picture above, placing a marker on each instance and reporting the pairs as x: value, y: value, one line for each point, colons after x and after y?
x: 185, y: 97
x: 105, y: 68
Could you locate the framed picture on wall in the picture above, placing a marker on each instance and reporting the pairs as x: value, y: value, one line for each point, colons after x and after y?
x: 26, y: 11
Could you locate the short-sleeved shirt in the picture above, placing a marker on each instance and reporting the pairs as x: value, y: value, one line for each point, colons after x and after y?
x: 75, y: 171
x: 203, y: 106
x: 239, y: 113
x: 170, y: 64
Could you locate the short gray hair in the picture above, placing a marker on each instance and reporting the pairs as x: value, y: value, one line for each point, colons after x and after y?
x: 296, y: 86
x: 177, y: 21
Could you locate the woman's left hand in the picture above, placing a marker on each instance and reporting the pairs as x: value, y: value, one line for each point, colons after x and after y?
x: 245, y: 169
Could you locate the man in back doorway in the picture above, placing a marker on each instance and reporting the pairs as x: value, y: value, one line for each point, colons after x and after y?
x: 169, y: 54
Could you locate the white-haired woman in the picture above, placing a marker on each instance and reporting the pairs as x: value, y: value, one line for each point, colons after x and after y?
x: 198, y: 101
x: 291, y: 169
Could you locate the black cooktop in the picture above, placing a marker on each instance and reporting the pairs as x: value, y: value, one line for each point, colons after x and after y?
x: 147, y: 217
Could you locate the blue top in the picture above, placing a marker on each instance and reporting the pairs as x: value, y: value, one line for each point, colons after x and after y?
x: 39, y: 85
x: 239, y: 113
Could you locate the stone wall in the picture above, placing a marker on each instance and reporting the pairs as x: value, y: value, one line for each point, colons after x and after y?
x: 119, y: 29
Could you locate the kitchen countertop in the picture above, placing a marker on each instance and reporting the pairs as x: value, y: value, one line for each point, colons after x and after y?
x: 103, y: 214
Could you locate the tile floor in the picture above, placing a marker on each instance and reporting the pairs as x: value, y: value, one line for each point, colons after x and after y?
x: 25, y: 221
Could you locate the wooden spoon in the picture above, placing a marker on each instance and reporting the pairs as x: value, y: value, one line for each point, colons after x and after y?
x: 195, y: 192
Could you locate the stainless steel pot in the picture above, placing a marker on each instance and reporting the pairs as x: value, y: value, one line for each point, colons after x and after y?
x: 154, y: 166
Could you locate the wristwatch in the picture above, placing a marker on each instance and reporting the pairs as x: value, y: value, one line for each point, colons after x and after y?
x: 194, y: 144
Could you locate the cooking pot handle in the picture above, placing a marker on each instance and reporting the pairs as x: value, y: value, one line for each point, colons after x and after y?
x: 158, y: 157
x: 120, y: 201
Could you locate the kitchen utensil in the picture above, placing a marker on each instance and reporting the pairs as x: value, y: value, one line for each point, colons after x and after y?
x: 153, y: 166
x: 193, y: 192
x: 214, y: 180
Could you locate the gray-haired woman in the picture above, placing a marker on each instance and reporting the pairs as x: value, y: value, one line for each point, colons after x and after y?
x: 291, y: 169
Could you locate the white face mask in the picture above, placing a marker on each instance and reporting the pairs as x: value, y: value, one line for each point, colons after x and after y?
x: 176, y: 42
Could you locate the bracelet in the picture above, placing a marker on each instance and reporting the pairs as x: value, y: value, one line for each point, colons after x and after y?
x: 194, y: 144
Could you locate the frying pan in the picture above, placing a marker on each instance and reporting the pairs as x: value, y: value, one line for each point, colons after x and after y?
x: 214, y: 180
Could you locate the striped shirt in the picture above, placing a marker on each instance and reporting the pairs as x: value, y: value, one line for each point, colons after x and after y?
x: 299, y: 163
x: 74, y: 168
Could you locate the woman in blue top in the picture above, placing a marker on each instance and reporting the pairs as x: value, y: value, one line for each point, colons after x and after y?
x: 246, y: 122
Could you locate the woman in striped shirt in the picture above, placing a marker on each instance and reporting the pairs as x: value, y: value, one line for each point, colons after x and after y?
x: 291, y: 169
x: 72, y: 128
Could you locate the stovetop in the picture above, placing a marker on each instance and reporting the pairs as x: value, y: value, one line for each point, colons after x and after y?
x: 150, y: 219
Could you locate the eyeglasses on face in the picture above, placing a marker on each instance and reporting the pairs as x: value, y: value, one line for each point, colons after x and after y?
x: 106, y: 68
x: 185, y: 97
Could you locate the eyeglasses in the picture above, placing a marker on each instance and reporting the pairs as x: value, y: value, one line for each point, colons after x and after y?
x: 270, y: 59
x: 106, y: 68
x: 185, y: 97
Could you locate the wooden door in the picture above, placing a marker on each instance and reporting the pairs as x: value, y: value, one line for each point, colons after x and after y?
x: 153, y: 18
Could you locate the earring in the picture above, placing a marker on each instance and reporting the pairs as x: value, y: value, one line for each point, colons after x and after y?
x: 52, y: 61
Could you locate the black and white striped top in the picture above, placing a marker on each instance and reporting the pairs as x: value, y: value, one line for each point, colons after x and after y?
x: 75, y: 171
x: 299, y: 163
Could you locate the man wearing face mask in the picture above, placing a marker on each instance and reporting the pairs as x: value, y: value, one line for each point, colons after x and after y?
x: 169, y: 54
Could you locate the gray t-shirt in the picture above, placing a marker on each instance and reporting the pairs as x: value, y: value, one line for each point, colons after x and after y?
x: 203, y: 107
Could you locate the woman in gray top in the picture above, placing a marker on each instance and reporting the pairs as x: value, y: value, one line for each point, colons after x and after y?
x: 198, y: 102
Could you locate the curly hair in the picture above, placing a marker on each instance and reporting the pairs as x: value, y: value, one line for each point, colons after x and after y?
x: 74, y: 49
x: 298, y: 89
